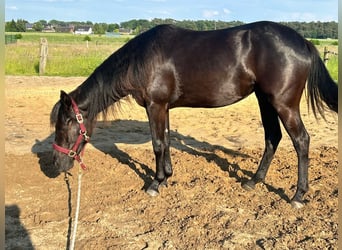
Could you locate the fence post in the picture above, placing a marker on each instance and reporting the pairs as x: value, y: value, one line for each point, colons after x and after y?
x: 43, y: 55
x: 325, y: 56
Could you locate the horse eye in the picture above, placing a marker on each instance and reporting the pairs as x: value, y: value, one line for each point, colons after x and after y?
x: 68, y: 121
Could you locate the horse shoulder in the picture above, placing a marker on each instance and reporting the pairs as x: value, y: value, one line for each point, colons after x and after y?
x: 164, y: 86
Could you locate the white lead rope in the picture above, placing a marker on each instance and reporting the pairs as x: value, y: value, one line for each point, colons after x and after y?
x: 72, y: 242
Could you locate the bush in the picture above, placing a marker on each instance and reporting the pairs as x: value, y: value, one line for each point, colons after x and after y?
x: 87, y: 38
x: 18, y: 36
x: 315, y: 42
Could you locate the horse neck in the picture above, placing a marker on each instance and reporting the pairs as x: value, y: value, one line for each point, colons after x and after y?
x: 97, y: 93
x: 119, y: 75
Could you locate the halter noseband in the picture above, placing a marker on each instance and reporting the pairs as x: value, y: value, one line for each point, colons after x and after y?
x: 82, y: 136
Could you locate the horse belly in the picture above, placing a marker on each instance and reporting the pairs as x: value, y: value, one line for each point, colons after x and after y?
x: 211, y: 95
x: 233, y: 92
x: 214, y: 83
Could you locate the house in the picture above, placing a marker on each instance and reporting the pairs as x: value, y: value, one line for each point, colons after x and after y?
x: 29, y: 26
x: 65, y: 29
x: 124, y: 31
x: 48, y: 29
x: 83, y: 30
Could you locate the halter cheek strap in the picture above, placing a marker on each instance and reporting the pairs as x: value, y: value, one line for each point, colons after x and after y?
x: 82, y: 136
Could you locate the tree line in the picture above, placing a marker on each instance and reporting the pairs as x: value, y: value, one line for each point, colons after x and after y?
x: 316, y: 30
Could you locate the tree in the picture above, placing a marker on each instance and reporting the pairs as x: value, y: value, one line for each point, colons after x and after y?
x: 43, y: 22
x: 100, y: 28
x: 21, y: 25
x: 11, y: 26
x: 113, y: 26
x: 38, y: 26
x: 16, y: 26
x: 57, y: 23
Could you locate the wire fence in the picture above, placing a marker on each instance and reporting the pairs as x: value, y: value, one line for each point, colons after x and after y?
x: 9, y: 39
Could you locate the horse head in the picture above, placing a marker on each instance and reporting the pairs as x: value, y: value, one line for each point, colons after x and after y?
x: 72, y: 132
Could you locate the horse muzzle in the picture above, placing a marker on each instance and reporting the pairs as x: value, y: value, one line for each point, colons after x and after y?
x: 62, y: 162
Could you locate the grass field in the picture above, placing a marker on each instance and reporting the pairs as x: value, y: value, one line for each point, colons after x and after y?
x: 71, y: 55
x: 68, y: 54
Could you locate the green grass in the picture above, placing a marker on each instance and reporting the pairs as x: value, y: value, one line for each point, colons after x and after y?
x: 332, y: 64
x: 69, y: 55
x: 63, y: 60
x: 21, y: 60
x: 77, y: 60
x: 333, y: 67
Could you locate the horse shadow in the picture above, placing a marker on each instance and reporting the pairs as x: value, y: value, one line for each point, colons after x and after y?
x: 132, y: 132
x: 16, y: 236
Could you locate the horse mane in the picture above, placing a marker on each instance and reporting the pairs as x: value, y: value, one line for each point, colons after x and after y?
x: 123, y: 73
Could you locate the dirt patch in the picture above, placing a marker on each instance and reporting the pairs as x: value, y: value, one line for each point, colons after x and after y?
x: 204, y: 206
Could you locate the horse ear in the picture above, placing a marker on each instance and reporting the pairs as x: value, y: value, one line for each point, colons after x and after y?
x: 65, y: 99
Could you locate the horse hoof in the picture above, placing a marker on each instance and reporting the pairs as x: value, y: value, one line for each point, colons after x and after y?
x: 248, y: 186
x: 152, y: 192
x: 163, y: 183
x: 297, y: 204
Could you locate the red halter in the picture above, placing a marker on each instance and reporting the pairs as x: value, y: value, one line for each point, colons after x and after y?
x: 82, y: 136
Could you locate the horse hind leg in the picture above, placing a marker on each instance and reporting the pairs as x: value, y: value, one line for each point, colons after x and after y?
x: 273, y: 136
x: 287, y: 108
x: 301, y: 140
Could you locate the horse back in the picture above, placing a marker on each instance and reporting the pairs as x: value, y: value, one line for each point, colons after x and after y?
x: 220, y: 67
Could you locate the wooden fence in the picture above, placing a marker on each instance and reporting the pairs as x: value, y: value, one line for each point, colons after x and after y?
x: 43, y: 55
x: 326, y: 53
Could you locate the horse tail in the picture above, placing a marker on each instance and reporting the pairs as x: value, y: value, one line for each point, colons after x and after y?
x: 320, y: 86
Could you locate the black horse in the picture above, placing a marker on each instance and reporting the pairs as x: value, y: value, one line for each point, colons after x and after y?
x: 168, y: 67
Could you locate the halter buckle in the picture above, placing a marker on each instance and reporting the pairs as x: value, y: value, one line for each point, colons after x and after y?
x: 72, y: 154
x: 85, y: 136
x: 79, y: 118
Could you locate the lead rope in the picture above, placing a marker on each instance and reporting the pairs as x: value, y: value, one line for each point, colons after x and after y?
x: 78, y: 201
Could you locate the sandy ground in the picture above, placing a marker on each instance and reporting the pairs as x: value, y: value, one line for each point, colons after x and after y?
x: 204, y: 207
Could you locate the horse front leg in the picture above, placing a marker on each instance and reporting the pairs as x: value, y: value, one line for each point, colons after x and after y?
x: 159, y: 125
x: 167, y: 164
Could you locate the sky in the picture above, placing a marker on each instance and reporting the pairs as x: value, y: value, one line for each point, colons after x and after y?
x: 117, y: 11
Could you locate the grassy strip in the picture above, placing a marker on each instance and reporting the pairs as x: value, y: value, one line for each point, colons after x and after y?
x: 68, y: 38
